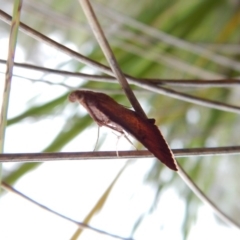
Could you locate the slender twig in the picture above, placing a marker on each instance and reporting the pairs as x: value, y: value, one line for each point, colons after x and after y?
x: 62, y: 156
x: 9, y: 188
x: 168, y: 82
x: 107, y: 91
x: 10, y: 63
x: 192, y: 99
x: 197, y: 191
x: 185, y: 97
x: 99, y: 34
x: 101, y: 78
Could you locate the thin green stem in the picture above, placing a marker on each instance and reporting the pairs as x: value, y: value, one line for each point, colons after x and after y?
x: 10, y: 64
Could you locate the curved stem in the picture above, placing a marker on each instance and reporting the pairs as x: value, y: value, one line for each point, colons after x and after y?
x: 198, y: 192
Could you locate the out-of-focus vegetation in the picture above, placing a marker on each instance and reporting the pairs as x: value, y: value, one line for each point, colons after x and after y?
x: 151, y: 39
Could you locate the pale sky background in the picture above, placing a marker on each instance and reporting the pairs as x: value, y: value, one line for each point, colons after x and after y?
x: 73, y: 187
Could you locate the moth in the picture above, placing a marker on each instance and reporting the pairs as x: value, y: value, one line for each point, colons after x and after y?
x: 107, y: 112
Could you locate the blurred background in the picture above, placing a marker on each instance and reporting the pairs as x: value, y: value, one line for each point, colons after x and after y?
x: 140, y: 198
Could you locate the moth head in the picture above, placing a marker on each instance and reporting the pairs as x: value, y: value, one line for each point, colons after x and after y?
x: 75, y: 96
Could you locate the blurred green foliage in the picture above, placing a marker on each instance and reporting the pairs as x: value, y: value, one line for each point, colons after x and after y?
x: 213, y: 25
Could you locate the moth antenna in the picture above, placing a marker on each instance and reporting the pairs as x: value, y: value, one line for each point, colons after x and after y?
x: 95, y: 147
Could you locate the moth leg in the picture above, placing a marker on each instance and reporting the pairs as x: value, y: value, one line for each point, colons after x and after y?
x: 118, y: 139
x: 117, y: 144
x: 95, y: 147
x: 122, y: 134
x: 117, y: 129
x: 129, y: 140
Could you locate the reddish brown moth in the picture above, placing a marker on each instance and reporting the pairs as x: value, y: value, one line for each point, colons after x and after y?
x: 107, y: 112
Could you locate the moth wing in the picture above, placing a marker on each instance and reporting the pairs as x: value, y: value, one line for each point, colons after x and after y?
x: 98, y: 116
x: 156, y: 143
x: 146, y: 132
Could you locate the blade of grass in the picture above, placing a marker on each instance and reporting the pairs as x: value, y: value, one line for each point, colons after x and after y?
x: 10, y: 64
x: 99, y: 204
